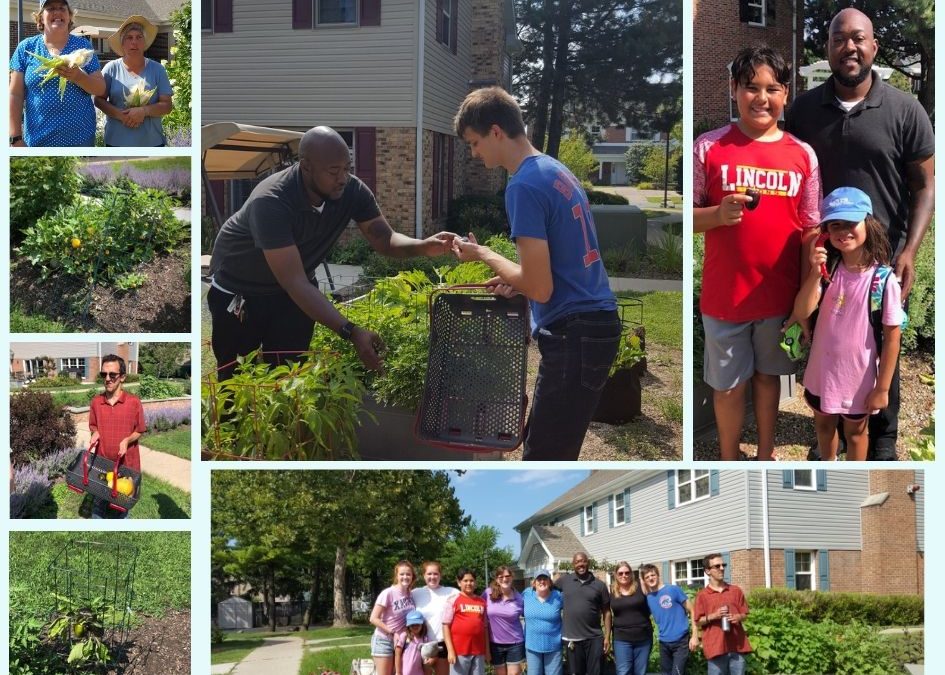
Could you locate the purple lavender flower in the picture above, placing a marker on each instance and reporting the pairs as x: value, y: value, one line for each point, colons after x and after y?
x: 165, y: 417
x: 30, y: 492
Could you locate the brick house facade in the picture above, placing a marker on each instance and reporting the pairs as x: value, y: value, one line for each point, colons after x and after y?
x: 720, y: 29
x: 81, y: 360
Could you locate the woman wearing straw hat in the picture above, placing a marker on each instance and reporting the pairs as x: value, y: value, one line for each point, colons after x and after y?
x: 138, y: 93
x: 41, y: 115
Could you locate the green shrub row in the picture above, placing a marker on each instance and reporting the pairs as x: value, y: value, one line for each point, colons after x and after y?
x: 876, y: 610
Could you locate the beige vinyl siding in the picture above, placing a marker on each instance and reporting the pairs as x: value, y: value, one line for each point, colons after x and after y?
x: 804, y: 519
x: 656, y: 533
x: 920, y: 510
x: 55, y: 350
x: 447, y: 75
x: 266, y: 73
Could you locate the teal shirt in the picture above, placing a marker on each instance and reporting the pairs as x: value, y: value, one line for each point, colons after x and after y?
x: 118, y: 82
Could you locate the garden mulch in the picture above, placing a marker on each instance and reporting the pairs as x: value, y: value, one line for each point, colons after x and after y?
x: 652, y: 436
x: 158, y: 646
x: 161, y: 305
x: 794, y: 432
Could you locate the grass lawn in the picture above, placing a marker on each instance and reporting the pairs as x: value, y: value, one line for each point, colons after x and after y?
x: 236, y: 646
x: 175, y: 442
x: 158, y: 500
x: 34, y: 323
x: 162, y: 570
x: 159, y: 163
x: 662, y: 316
x: 336, y: 659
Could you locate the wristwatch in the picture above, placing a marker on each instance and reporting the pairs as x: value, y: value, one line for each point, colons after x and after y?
x: 14, y: 139
x: 346, y: 330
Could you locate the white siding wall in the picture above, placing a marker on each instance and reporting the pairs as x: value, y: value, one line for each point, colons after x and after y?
x: 810, y: 519
x: 268, y: 74
x: 32, y: 350
x: 920, y: 510
x: 446, y: 82
x: 656, y: 533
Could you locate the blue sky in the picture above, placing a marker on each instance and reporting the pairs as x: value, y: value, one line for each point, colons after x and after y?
x: 503, y: 499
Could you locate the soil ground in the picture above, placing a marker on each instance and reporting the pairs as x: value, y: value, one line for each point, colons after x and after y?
x: 794, y: 433
x: 161, y: 305
x: 158, y: 646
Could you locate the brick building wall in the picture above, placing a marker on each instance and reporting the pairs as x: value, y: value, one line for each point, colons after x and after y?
x: 717, y: 36
x: 846, y: 573
x: 748, y: 570
x: 890, y: 543
x: 396, y: 168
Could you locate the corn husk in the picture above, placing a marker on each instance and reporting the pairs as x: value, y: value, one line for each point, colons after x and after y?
x: 139, y: 95
x: 75, y: 59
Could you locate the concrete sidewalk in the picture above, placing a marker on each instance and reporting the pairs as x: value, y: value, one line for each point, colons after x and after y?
x: 169, y: 468
x: 282, y: 655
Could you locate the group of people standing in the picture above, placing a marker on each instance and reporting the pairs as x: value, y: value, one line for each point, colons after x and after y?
x: 440, y: 630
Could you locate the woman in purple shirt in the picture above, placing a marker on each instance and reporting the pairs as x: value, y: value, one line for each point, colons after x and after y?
x: 504, y: 611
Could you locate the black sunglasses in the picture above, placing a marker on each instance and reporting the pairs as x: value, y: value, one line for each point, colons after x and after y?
x: 109, y: 376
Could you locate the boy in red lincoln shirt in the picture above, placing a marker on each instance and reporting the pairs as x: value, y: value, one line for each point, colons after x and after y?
x: 465, y: 628
x: 756, y: 193
x: 116, y: 420
x: 719, y: 612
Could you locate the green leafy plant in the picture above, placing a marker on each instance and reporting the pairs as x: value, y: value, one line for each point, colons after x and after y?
x: 130, y: 281
x: 632, y: 349
x: 667, y: 253
x: 82, y: 627
x: 179, y: 70
x: 152, y: 388
x: 39, y: 185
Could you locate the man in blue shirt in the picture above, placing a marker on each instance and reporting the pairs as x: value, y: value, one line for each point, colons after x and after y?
x: 672, y: 612
x: 573, y: 311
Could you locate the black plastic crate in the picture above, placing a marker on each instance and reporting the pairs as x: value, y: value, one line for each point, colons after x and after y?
x: 474, y: 396
x: 87, y: 474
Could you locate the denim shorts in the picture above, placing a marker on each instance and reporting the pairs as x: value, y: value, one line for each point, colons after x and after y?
x: 383, y: 647
x: 504, y: 654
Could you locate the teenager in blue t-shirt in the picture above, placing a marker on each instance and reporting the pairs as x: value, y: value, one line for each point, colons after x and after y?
x: 573, y: 312
x: 672, y: 612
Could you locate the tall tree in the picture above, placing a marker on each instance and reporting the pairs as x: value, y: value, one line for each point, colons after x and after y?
x: 905, y: 30
x: 476, y: 547
x: 162, y: 359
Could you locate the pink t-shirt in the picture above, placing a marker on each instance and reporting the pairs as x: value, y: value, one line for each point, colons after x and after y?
x: 843, y: 359
x: 412, y: 659
x: 396, y: 607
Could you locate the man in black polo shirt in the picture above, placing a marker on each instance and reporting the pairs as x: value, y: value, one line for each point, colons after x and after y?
x: 874, y: 137
x: 267, y: 252
x: 586, y: 605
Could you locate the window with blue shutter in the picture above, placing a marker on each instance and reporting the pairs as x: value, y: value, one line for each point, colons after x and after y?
x: 611, y: 509
x: 626, y: 505
x: 789, y: 579
x: 594, y: 517
x: 787, y: 479
x: 821, y: 480
x: 714, y: 482
x: 823, y: 570
x: 671, y: 490
x: 727, y: 559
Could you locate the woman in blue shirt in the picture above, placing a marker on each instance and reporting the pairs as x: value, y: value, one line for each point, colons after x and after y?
x: 542, y: 610
x: 134, y: 125
x: 38, y: 117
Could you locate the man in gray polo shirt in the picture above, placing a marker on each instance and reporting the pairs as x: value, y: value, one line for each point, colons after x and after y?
x: 874, y: 137
x: 267, y: 252
x: 586, y: 606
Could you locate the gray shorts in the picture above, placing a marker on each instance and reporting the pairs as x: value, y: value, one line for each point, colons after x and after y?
x: 468, y: 665
x: 735, y: 351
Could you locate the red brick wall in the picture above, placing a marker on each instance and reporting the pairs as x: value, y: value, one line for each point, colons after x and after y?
x: 717, y: 37
x: 889, y: 536
x: 396, y: 171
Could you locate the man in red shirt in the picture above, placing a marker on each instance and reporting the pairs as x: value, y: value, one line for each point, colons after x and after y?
x: 116, y: 420
x: 720, y: 609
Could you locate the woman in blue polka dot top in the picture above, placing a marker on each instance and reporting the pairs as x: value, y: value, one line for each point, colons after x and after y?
x: 38, y: 117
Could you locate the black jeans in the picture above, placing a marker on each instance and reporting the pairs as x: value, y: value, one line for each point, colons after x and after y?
x: 884, y: 425
x: 674, y: 656
x: 272, y: 322
x: 576, y: 354
x: 585, y: 656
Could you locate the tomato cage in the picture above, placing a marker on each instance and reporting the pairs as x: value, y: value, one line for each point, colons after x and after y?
x: 93, y: 592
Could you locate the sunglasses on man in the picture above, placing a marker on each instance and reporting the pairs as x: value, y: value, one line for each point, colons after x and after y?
x: 109, y: 376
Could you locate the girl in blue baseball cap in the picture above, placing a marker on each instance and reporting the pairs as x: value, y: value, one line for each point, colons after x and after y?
x: 857, y: 330
x: 409, y: 654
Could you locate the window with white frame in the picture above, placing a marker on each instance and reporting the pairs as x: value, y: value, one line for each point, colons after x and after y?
x: 589, y: 519
x: 691, y: 485
x: 804, y: 480
x: 336, y: 12
x: 72, y: 365
x: 756, y: 12
x: 689, y: 573
x: 445, y: 22
x: 620, y: 509
x: 804, y: 571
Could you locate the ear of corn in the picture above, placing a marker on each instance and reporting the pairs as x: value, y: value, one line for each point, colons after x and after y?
x: 139, y: 95
x: 75, y: 59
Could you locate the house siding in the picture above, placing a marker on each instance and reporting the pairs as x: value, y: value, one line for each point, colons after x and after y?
x: 56, y: 350
x: 657, y: 533
x: 797, y: 518
x: 446, y: 75
x: 349, y: 76
x: 920, y: 510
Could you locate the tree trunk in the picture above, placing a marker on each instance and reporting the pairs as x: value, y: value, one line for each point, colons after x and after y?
x: 313, y: 597
x: 560, y: 78
x: 340, y: 613
x: 927, y: 85
x: 547, y: 74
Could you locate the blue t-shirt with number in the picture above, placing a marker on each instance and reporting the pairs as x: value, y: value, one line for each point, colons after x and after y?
x: 545, y: 201
x: 47, y: 121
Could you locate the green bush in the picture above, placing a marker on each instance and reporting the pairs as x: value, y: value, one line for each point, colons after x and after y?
x: 179, y: 70
x: 634, y: 158
x: 921, y: 328
x: 575, y: 154
x: 667, y: 254
x: 39, y: 185
x: 104, y: 240
x: 61, y: 380
x: 355, y: 252
x: 654, y: 164
x: 785, y: 643
x: 605, y: 198
x: 38, y: 427
x: 152, y: 388
x: 484, y: 213
x: 876, y: 610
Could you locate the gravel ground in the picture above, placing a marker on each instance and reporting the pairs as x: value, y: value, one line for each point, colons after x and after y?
x: 795, y: 425
x: 655, y: 435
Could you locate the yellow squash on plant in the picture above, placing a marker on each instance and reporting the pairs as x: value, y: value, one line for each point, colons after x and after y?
x: 75, y: 59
